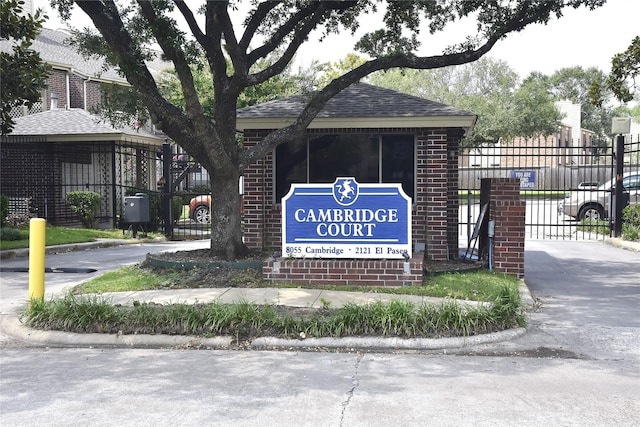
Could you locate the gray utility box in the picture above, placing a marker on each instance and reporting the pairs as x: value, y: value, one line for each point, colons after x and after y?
x: 136, y: 208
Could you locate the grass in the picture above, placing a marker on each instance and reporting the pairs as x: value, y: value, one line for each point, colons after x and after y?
x: 61, y: 236
x: 599, y: 227
x: 245, y: 321
x: 480, y: 285
x: 129, y: 278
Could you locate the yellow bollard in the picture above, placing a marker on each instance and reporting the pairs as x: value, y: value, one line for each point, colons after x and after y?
x: 37, y: 232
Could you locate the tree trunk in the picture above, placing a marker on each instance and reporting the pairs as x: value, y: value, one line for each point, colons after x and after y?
x: 226, y: 219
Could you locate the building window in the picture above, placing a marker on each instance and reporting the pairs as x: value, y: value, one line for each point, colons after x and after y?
x: 369, y: 158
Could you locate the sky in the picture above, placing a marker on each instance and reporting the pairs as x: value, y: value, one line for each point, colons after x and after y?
x: 580, y: 37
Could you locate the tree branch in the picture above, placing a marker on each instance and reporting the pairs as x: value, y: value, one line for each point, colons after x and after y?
x: 320, y: 99
x: 310, y: 19
x: 174, y: 54
x: 285, y: 29
x: 254, y: 22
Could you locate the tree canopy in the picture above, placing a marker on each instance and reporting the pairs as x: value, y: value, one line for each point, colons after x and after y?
x: 621, y: 82
x: 127, y: 30
x: 487, y: 87
x: 22, y: 72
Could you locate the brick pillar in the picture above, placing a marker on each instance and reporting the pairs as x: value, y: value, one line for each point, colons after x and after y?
x: 436, y: 189
x: 508, y: 211
x: 453, y: 204
x: 253, y: 199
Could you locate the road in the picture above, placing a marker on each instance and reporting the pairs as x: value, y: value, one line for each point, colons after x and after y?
x: 579, y: 364
x: 15, y: 286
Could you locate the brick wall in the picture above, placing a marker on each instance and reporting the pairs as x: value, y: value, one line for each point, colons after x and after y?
x: 79, y: 88
x: 57, y: 84
x: 76, y: 91
x: 349, y: 272
x: 508, y: 211
x: 93, y: 94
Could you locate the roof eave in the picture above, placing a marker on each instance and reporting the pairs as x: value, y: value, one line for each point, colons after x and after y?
x: 461, y: 121
x: 97, y: 137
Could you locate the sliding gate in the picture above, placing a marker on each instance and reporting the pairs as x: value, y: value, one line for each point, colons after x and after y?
x: 550, y: 178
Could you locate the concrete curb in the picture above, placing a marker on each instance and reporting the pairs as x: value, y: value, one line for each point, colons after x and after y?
x: 11, y: 326
x: 390, y: 342
x: 623, y: 244
x: 74, y: 247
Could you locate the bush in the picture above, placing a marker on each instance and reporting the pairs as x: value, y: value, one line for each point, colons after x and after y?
x: 10, y: 234
x: 4, y: 208
x: 201, y: 189
x: 86, y: 204
x: 631, y: 222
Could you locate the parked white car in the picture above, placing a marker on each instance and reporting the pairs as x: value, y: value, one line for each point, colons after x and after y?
x: 593, y: 204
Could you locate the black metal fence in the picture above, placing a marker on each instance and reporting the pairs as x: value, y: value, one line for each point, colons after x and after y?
x: 187, y: 185
x: 552, y: 179
x: 45, y: 172
x: 560, y: 184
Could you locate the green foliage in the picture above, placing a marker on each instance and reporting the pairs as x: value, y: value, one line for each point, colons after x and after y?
x: 621, y: 82
x: 62, y: 236
x: 4, y: 209
x: 22, y: 72
x: 335, y: 69
x: 128, y: 278
x: 9, y: 234
x: 631, y: 222
x: 86, y: 204
x: 573, y: 84
x: 593, y: 226
x: 488, y: 88
x: 201, y: 189
x: 244, y: 320
x: 535, y: 112
x: 176, y: 205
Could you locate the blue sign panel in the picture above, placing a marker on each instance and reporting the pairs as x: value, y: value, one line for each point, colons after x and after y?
x: 346, y: 220
x: 527, y: 178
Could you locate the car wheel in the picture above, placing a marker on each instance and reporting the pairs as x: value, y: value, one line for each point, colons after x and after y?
x: 591, y: 213
x: 201, y: 214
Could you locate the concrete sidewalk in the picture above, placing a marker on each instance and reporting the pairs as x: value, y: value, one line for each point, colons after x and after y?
x: 293, y: 297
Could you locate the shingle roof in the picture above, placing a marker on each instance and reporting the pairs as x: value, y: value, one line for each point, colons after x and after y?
x: 76, y: 124
x: 53, y: 49
x: 358, y: 100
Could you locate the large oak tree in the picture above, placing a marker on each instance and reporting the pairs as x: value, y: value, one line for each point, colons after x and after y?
x: 127, y: 30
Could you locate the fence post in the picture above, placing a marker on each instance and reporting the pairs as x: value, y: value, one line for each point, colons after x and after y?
x: 618, y: 203
x: 167, y: 211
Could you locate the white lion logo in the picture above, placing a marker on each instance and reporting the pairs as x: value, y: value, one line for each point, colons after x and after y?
x: 345, y: 189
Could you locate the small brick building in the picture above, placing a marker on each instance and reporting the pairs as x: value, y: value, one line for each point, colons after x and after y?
x: 377, y: 136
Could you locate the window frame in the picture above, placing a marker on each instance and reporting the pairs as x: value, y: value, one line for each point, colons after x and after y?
x: 379, y: 135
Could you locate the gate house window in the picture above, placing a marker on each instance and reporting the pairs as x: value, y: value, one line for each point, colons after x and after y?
x: 369, y: 158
